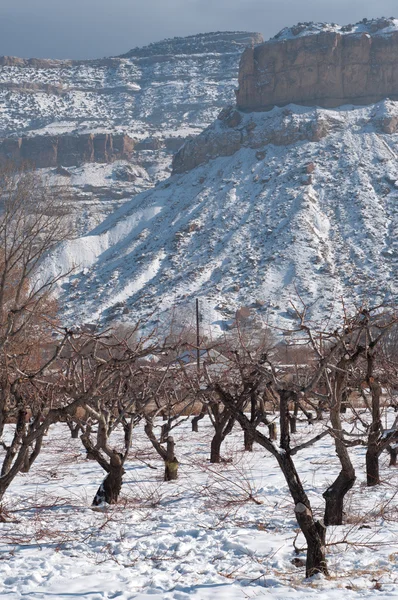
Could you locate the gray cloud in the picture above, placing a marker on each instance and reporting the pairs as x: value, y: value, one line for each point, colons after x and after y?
x: 96, y: 28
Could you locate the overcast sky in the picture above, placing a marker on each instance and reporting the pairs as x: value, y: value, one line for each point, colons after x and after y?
x: 97, y: 28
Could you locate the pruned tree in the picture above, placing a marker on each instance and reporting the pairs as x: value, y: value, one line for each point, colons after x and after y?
x: 109, y: 374
x: 235, y: 398
x: 173, y: 397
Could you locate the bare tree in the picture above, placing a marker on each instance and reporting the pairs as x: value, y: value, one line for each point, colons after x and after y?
x: 31, y: 223
x: 108, y: 373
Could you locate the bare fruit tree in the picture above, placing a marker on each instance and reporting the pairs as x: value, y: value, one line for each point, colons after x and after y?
x: 108, y: 373
x: 31, y: 224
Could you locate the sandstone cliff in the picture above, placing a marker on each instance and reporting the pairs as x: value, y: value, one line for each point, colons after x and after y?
x: 66, y: 150
x: 322, y: 65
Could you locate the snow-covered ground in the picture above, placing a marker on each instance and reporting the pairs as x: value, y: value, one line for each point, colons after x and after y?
x: 221, y: 531
x: 306, y: 204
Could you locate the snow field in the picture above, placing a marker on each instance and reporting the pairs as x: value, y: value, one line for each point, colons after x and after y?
x: 221, y: 530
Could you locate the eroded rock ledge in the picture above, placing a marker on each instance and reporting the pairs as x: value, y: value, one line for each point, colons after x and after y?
x: 66, y: 150
x: 234, y: 130
x: 324, y: 66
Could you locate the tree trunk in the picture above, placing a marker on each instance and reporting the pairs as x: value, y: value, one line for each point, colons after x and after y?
x: 248, y: 440
x: 74, y: 428
x: 109, y: 489
x: 75, y: 432
x: 293, y: 424
x: 128, y: 433
x: 164, y: 433
x: 372, y: 466
x: 199, y: 417
x: 334, y: 498
x: 372, y: 454
x: 334, y: 495
x: 313, y: 531
x: 316, y: 555
x: 272, y: 431
x: 31, y: 457
x: 26, y: 465
x: 171, y: 462
x: 320, y: 408
x: 393, y: 452
x: 215, y: 448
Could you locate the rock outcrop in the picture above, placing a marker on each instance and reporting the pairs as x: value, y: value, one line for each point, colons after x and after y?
x: 235, y: 130
x: 66, y: 150
x: 322, y: 65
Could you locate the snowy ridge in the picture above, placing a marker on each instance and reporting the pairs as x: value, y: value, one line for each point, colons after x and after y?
x: 169, y: 88
x: 254, y: 228
x: 372, y: 27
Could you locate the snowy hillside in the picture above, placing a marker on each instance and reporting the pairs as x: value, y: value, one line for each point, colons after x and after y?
x: 305, y: 202
x: 166, y: 89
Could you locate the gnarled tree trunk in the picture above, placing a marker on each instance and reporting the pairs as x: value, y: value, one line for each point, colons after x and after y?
x: 110, y: 488
x: 335, y: 493
x: 171, y: 462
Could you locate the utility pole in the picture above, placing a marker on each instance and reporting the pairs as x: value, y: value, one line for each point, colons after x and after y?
x: 197, y: 336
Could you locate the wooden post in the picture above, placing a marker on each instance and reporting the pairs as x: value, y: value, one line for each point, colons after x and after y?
x: 197, y: 337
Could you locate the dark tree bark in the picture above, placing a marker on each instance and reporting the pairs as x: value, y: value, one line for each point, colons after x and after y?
x: 334, y: 498
x: 110, y: 488
x: 248, y: 440
x: 75, y: 432
x: 313, y: 531
x: 215, y: 448
x: 74, y: 428
x: 167, y: 454
x: 273, y: 434
x: 393, y: 452
x: 223, y: 423
x: 293, y: 419
x: 372, y: 467
x: 335, y: 493
x: 293, y: 424
x: 164, y: 434
x: 31, y: 457
x: 199, y: 417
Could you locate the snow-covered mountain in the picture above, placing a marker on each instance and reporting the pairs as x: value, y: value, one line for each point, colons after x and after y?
x: 167, y: 89
x: 295, y: 201
x: 158, y: 95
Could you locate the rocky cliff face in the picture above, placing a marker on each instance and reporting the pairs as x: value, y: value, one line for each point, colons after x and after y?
x: 323, y: 65
x: 66, y: 150
x: 234, y: 130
